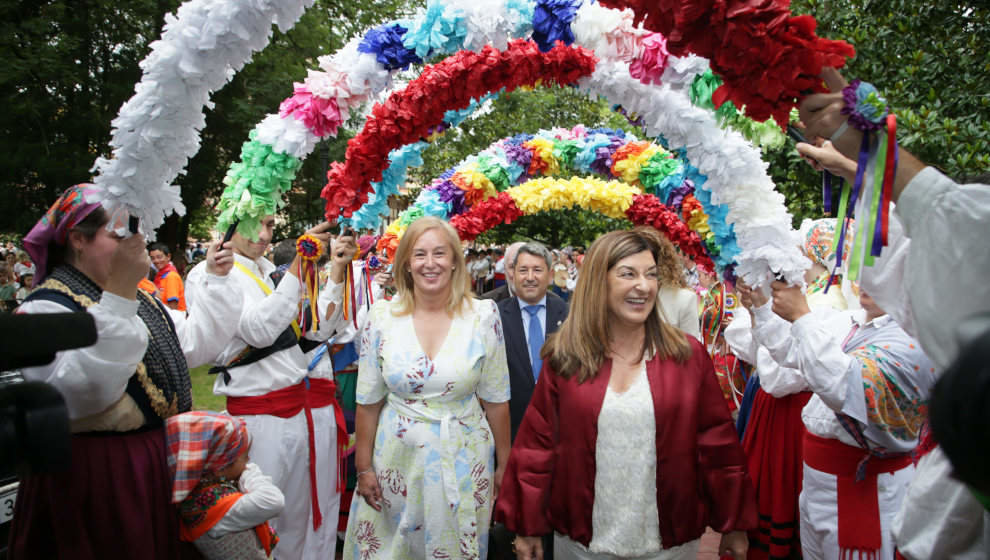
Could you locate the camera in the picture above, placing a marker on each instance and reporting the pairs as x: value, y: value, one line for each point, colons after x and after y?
x: 34, y: 422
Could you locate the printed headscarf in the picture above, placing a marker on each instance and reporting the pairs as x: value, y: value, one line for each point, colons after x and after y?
x: 818, y: 241
x: 72, y: 207
x: 201, y: 443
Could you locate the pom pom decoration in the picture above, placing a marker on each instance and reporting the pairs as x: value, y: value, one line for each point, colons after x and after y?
x: 726, y: 173
x: 309, y: 249
x: 766, y: 57
x: 157, y: 129
x: 407, y: 115
x: 868, y: 112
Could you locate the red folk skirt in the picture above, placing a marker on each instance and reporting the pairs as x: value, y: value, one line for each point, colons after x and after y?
x: 113, y: 502
x: 773, y: 443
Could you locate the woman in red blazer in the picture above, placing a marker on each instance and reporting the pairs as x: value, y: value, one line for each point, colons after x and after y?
x: 627, y: 448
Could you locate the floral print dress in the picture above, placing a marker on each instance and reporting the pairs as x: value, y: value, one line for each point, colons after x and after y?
x: 434, y: 453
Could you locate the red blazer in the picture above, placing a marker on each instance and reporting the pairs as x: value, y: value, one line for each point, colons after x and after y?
x: 549, y: 483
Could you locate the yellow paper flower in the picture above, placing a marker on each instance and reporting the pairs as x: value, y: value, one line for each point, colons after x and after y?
x: 611, y: 198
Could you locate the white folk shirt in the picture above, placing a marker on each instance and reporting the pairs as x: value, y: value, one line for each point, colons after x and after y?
x: 750, y: 343
x: 933, y: 277
x: 92, y: 379
x: 262, y: 319
x: 815, y: 347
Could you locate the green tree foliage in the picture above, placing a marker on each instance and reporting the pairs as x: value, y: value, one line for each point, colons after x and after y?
x: 71, y: 64
x: 68, y: 66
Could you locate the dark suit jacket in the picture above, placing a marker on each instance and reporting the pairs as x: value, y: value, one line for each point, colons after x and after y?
x: 517, y: 350
x: 498, y: 294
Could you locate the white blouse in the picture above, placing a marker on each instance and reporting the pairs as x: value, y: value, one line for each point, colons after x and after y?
x: 625, y: 518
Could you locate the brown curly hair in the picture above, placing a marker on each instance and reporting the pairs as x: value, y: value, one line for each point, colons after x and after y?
x: 669, y: 263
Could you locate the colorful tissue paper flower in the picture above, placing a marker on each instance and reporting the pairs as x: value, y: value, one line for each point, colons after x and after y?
x: 647, y: 210
x: 441, y: 28
x: 611, y: 198
x: 766, y: 57
x: 321, y: 116
x: 677, y: 195
x: 408, y: 114
x: 254, y: 186
x: 451, y: 194
x: 552, y: 22
x: 543, y: 161
x: 866, y: 108
x: 486, y: 215
x: 385, y: 42
x: 660, y: 166
x: 387, y: 245
x: 650, y: 65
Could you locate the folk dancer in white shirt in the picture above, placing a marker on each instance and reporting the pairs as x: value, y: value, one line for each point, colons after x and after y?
x: 871, y: 387
x: 290, y: 412
x: 932, y: 279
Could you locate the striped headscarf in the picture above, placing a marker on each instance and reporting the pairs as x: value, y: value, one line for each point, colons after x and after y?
x: 201, y: 443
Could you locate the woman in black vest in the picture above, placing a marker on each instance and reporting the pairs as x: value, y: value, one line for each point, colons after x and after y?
x: 113, y: 501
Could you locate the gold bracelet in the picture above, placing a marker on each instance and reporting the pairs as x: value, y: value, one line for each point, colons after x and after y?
x: 366, y: 471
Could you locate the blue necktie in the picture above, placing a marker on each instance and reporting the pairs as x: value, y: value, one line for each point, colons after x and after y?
x: 535, y: 338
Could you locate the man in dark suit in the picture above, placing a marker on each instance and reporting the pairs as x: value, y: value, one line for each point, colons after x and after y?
x: 528, y: 317
x: 505, y: 291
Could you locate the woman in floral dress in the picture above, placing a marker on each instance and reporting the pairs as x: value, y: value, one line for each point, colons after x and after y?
x: 432, y: 414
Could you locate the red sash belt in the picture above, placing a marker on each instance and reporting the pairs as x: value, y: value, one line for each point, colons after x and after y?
x: 858, y: 502
x: 286, y: 403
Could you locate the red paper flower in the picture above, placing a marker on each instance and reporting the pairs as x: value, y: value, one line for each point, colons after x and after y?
x: 647, y: 210
x: 766, y: 57
x: 409, y: 114
x: 485, y: 215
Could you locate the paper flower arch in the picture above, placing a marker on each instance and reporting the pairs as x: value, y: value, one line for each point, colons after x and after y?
x: 615, y: 199
x: 607, y: 154
x: 157, y: 130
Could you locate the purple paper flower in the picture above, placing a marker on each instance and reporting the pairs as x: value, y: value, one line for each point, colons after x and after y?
x: 552, y: 22
x: 676, y: 198
x: 450, y: 193
x: 518, y: 155
x: 385, y: 42
x: 864, y: 105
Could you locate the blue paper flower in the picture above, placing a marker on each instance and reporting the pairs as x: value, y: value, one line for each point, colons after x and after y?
x: 432, y: 205
x: 385, y: 42
x: 552, y: 22
x: 440, y: 30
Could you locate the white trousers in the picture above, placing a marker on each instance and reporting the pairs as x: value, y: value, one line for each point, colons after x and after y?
x: 820, y: 513
x: 280, y: 447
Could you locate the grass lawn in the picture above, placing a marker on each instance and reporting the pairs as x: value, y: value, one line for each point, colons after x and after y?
x: 202, y: 391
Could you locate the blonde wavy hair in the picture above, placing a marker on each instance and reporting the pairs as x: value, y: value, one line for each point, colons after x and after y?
x: 580, y: 347
x: 460, y: 281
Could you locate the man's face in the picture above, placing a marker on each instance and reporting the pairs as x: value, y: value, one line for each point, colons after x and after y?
x: 531, y: 278
x: 255, y: 249
x: 159, y: 259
